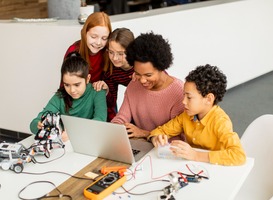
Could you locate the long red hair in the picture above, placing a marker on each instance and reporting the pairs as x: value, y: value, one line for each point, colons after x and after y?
x: 95, y: 19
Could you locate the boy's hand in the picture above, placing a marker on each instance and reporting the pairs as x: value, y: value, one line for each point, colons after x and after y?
x: 183, y: 150
x: 160, y: 140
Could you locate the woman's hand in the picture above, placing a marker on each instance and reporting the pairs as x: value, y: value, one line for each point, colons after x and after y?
x: 101, y: 85
x: 134, y: 131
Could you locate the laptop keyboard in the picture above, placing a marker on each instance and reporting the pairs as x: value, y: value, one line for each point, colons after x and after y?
x: 135, y: 152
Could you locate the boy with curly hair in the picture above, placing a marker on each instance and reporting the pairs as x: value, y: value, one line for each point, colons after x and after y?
x: 204, y: 124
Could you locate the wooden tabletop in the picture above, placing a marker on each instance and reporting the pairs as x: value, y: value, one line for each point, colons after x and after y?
x: 74, y: 187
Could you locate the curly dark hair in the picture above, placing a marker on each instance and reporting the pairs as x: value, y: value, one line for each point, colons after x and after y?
x: 209, y: 79
x: 150, y: 47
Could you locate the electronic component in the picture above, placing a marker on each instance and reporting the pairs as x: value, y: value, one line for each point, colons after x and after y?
x: 177, y: 182
x: 13, y: 156
x: 14, y: 148
x: 165, y: 152
x: 104, y: 186
x: 119, y: 169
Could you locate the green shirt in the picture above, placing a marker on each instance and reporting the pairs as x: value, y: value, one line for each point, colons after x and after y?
x: 91, y: 105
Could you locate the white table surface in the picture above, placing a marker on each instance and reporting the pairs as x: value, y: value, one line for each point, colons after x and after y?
x: 71, y: 163
x: 224, y: 181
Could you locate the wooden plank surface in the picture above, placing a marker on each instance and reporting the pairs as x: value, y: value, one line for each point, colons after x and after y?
x: 74, y: 187
x: 23, y: 9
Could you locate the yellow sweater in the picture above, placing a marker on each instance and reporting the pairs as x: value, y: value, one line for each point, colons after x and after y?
x: 214, y: 133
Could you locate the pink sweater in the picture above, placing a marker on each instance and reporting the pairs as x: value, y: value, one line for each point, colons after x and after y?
x: 149, y: 109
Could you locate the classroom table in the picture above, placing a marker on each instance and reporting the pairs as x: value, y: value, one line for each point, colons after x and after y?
x: 224, y: 181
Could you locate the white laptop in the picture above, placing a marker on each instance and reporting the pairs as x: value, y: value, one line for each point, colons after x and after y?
x: 104, y: 139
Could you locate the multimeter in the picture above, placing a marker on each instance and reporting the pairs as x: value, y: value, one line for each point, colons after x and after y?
x: 104, y: 186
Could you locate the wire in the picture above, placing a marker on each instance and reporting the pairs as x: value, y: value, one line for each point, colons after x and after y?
x: 60, y: 195
x: 151, y: 169
x: 144, y: 193
x: 42, y: 173
x: 198, y: 173
x: 140, y: 184
x: 39, y: 162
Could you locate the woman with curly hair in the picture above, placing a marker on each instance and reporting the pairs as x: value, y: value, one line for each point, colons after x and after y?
x: 154, y: 97
x: 204, y: 124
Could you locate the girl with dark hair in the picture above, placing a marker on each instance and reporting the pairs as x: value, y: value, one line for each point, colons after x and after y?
x: 76, y: 96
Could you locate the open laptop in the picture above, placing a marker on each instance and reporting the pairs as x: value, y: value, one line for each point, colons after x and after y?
x: 104, y: 139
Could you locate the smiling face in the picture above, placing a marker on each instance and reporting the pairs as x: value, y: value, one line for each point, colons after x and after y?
x: 117, y: 55
x: 194, y: 102
x: 74, y: 85
x: 148, y: 76
x: 96, y: 38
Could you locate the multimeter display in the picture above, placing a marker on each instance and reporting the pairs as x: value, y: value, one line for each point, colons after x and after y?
x: 95, y: 189
x: 103, y: 183
x: 104, y: 186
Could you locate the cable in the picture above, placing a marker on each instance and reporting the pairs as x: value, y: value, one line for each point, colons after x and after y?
x: 60, y: 195
x: 39, y: 162
x: 42, y: 173
x: 140, y: 184
x: 144, y: 193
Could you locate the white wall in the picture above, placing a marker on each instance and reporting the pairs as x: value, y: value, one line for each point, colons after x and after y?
x: 234, y: 35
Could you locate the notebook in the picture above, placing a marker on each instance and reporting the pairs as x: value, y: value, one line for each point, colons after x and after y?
x: 104, y: 139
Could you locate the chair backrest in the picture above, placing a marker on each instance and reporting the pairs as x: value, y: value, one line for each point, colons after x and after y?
x: 257, y: 141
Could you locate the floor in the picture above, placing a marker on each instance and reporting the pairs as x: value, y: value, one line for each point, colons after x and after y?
x: 246, y: 102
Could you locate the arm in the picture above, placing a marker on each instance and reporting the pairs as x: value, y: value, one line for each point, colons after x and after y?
x: 74, y: 47
x: 124, y: 113
x: 172, y: 128
x: 217, y: 136
x: 100, y: 107
x: 184, y: 150
x: 53, y: 106
x: 101, y: 85
x: 134, y: 131
x: 178, y: 96
x: 231, y: 151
